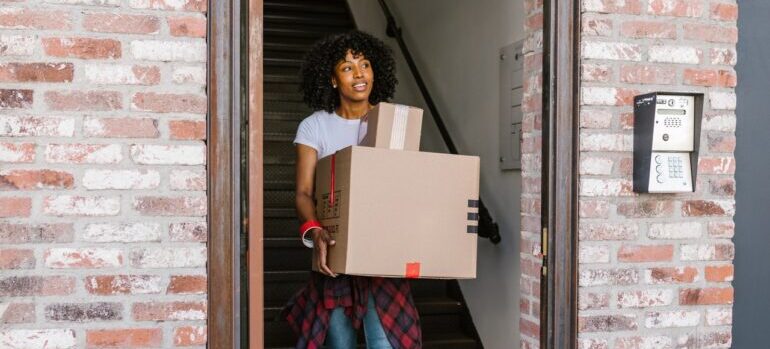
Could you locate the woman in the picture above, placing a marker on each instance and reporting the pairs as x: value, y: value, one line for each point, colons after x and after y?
x: 343, y: 77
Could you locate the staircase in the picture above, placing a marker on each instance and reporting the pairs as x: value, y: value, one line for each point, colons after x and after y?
x: 290, y: 27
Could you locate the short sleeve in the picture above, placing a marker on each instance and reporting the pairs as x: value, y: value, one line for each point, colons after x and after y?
x: 308, y: 134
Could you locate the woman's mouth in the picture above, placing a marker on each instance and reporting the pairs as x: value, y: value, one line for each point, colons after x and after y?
x: 360, y: 87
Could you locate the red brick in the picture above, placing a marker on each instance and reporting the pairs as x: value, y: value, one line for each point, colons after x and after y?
x: 529, y: 328
x: 672, y: 275
x: 724, y: 11
x: 711, y: 33
x: 719, y: 273
x: 722, y: 186
x: 15, y: 207
x: 187, y: 26
x: 721, y: 229
x: 109, y: 285
x: 594, y: 209
x: 85, y: 48
x: 169, y: 102
x: 23, y: 233
x: 646, y: 208
x: 125, y: 127
x: 727, y: 78
x: 700, y: 77
x: 169, y: 311
x: 24, y: 18
x: 170, y: 206
x: 534, y: 21
x: 627, y: 121
x: 679, y: 8
x: 647, y: 74
x: 35, y: 179
x: 613, y: 6
x: 607, y: 323
x: 190, y: 336
x: 84, y: 100
x: 27, y: 286
x: 18, y: 313
x: 17, y: 259
x: 121, y: 23
x: 36, y: 72
x: 15, y: 98
x: 595, y: 72
x: 648, y: 29
x: 705, y: 208
x: 187, y: 129
x: 187, y: 284
x: 596, y: 26
x: 83, y: 258
x: 84, y: 312
x: 706, y: 296
x: 721, y: 143
x: 124, y: 338
x: 593, y: 301
x: 645, y: 253
x: 716, y: 165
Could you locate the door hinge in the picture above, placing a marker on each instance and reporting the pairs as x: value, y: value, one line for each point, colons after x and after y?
x: 544, y: 242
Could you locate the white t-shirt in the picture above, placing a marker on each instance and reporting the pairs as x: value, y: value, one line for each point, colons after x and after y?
x: 327, y: 132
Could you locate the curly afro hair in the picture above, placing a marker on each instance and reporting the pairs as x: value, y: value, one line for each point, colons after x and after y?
x: 318, y: 68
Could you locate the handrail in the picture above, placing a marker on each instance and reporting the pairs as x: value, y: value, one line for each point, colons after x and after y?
x: 487, y: 226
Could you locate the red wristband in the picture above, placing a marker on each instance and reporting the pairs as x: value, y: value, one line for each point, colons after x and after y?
x: 309, y: 225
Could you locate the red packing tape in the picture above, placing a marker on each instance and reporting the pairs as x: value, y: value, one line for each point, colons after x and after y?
x: 331, y: 185
x: 412, y: 270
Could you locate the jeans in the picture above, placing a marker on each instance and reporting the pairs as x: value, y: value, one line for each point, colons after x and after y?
x: 342, y: 335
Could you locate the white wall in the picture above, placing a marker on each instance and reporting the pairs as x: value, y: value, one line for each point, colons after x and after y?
x: 455, y: 44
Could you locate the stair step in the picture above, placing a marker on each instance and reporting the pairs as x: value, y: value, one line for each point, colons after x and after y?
x: 328, y: 20
x: 278, y: 6
x: 425, y: 306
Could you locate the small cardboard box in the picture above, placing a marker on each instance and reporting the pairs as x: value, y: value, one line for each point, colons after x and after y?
x: 399, y: 213
x: 391, y: 126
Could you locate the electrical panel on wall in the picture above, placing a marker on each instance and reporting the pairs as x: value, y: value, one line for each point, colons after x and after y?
x: 666, y: 141
x: 511, y: 93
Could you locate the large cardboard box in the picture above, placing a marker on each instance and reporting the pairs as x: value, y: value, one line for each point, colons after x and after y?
x: 399, y: 213
x: 391, y: 126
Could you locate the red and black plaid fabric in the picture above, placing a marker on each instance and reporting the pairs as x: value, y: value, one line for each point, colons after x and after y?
x: 309, y: 310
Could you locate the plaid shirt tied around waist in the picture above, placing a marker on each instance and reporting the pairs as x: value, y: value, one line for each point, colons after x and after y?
x: 308, y: 312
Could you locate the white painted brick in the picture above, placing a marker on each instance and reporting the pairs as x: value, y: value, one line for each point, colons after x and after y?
x: 602, y: 277
x: 595, y: 166
x: 169, y: 51
x: 187, y: 179
x: 9, y: 154
x: 175, y: 5
x: 611, y: 51
x: 112, y: 3
x: 17, y: 45
x: 701, y: 252
x: 150, y: 154
x: 110, y: 74
x: 637, y: 342
x: 686, y: 230
x: 32, y: 126
x: 724, y: 55
x: 599, y: 96
x: 645, y: 298
x: 59, y: 338
x: 606, y: 142
x: 72, y: 205
x: 604, y: 187
x: 138, y: 284
x: 189, y: 75
x: 83, y: 258
x: 108, y: 154
x: 590, y: 343
x: 594, y: 254
x: 719, y: 316
x: 675, y: 54
x: 722, y: 122
x: 126, y: 232
x: 121, y: 179
x: 169, y: 257
x: 722, y: 100
x: 672, y: 319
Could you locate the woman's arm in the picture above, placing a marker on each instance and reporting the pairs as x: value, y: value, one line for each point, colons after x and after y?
x: 307, y: 157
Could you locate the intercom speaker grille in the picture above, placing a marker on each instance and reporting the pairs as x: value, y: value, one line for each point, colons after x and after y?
x: 672, y: 122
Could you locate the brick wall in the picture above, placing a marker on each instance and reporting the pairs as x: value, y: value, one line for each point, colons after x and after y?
x: 655, y: 269
x: 531, y: 258
x: 102, y: 173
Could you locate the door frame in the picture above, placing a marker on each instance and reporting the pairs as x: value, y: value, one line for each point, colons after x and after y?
x: 226, y: 103
x: 559, y: 193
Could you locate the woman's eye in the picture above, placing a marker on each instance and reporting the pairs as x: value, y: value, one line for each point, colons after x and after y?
x: 346, y: 69
x: 366, y: 65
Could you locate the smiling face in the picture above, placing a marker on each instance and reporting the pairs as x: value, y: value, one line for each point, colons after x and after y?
x: 353, y: 77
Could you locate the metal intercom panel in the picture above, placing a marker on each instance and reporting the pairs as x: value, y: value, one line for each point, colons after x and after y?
x: 511, y: 93
x: 666, y: 141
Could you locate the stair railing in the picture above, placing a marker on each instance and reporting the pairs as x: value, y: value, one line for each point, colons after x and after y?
x: 487, y: 226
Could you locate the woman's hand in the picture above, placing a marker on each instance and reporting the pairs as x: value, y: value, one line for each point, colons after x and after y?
x: 321, y: 242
